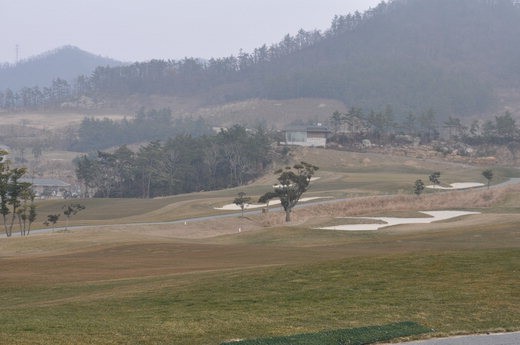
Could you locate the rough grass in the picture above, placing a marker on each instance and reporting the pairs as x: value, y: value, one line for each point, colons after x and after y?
x: 479, y: 199
x: 450, y: 200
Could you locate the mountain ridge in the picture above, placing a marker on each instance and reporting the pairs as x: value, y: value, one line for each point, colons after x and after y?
x: 66, y: 62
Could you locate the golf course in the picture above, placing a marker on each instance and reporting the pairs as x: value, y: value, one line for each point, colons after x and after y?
x: 187, y: 270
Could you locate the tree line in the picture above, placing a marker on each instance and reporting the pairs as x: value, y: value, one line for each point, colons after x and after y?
x: 397, y: 53
x: 182, y: 164
x: 181, y: 77
x: 146, y: 125
x: 383, y: 127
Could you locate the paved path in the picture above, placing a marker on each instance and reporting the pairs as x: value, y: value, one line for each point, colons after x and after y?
x: 490, y: 339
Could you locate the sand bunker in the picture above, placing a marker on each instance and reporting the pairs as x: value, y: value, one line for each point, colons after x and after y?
x: 233, y: 207
x: 391, y: 221
x: 459, y: 185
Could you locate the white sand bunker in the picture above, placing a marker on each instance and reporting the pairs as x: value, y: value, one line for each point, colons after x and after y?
x: 391, y: 221
x: 458, y: 185
x: 233, y: 207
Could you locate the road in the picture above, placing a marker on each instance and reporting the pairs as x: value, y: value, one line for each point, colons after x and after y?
x: 488, y: 339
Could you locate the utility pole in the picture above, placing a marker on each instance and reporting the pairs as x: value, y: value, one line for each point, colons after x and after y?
x: 17, y: 54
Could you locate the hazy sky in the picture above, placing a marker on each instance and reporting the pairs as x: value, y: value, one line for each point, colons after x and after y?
x: 138, y: 30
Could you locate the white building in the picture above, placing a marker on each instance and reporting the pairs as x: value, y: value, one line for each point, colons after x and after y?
x: 307, y: 136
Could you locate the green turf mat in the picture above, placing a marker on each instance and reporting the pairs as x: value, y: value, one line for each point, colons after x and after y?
x: 352, y: 336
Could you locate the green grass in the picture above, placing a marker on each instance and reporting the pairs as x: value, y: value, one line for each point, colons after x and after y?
x: 467, y: 291
x: 353, y: 336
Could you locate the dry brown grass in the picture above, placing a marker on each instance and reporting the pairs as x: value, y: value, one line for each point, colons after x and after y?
x: 435, y: 201
x: 389, y: 205
x: 309, y: 215
x: 50, y: 120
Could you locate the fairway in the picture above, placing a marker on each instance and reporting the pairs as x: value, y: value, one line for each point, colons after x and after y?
x: 121, y: 280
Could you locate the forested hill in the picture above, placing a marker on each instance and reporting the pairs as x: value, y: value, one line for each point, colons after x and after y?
x: 66, y: 63
x: 449, y: 55
x: 452, y: 56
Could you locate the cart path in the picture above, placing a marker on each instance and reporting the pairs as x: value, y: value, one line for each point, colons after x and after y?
x: 486, y: 339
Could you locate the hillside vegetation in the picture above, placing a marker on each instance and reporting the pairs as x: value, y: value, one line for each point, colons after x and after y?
x: 449, y: 56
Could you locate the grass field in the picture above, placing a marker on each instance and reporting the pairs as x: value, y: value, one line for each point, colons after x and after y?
x: 116, y: 281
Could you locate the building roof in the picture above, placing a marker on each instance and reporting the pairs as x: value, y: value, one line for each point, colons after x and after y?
x: 320, y: 129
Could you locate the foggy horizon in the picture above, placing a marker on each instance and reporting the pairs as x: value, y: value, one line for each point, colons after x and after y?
x: 158, y: 29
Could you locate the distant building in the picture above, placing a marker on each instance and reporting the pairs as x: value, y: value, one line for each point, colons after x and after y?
x: 49, y: 188
x: 307, y: 135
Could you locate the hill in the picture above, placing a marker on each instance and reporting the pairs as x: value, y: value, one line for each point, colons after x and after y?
x: 457, y: 58
x: 66, y: 63
x: 450, y: 56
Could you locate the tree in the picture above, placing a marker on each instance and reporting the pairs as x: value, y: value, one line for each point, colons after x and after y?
x: 435, y: 178
x: 336, y: 120
x: 428, y: 124
x: 418, y: 187
x: 70, y: 210
x: 86, y: 172
x: 241, y: 201
x: 454, y: 124
x: 149, y: 162
x: 266, y: 198
x: 11, y: 192
x: 5, y: 176
x: 15, y: 189
x: 488, y: 174
x: 27, y: 211
x: 505, y: 125
x: 293, y: 182
x: 52, y: 219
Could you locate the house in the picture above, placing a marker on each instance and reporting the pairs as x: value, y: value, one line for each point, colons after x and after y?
x: 307, y: 135
x: 49, y: 188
